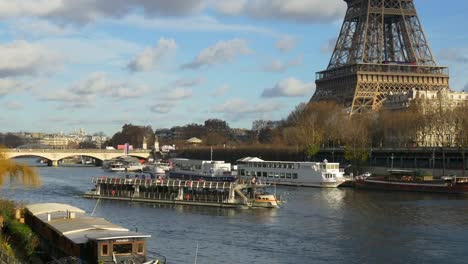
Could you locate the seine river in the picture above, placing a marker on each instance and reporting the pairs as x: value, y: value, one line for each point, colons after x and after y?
x: 313, y: 226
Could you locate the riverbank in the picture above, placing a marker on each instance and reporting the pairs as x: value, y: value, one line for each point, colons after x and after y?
x: 17, y: 241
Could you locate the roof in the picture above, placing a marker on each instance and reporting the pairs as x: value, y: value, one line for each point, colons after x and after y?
x: 43, y: 208
x: 250, y: 159
x: 194, y: 140
x: 81, y: 227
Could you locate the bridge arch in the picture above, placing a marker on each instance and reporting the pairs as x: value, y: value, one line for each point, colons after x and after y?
x: 55, y: 155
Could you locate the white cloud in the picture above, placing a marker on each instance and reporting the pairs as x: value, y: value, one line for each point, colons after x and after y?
x: 177, y: 94
x: 96, y: 85
x: 84, y: 11
x: 329, y: 47
x: 289, y: 87
x: 236, y: 109
x: 22, y: 58
x: 8, y: 86
x: 286, y: 43
x: 279, y: 66
x: 199, y: 23
x: 318, y: 11
x: 222, y: 90
x: 231, y: 7
x: 187, y: 82
x: 39, y: 28
x: 102, y: 50
x: 454, y: 54
x: 14, y: 105
x: 221, y: 52
x: 162, y: 108
x: 146, y: 60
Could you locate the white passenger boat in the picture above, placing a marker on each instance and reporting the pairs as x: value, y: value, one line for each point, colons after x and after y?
x: 120, y: 165
x: 313, y: 174
x: 206, y: 170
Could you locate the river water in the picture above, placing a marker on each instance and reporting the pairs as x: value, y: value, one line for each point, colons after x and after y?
x: 313, y: 226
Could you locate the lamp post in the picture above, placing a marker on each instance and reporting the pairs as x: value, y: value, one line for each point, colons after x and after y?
x: 392, y: 157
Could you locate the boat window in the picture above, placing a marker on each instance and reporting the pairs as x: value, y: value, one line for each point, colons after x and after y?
x: 288, y: 175
x: 264, y: 165
x: 140, y: 247
x: 265, y: 174
x: 104, y: 250
x: 259, y: 174
x: 122, y: 249
x: 271, y: 174
x: 282, y: 175
x: 294, y: 175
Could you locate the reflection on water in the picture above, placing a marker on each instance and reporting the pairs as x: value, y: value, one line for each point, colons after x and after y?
x: 313, y: 226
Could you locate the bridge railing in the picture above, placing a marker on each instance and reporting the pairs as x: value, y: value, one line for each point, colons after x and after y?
x: 112, y: 151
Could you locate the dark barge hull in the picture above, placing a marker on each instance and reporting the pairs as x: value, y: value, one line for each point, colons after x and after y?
x: 412, y: 187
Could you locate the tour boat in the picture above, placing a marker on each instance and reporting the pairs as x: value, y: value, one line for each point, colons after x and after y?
x: 226, y: 194
x: 311, y: 174
x: 266, y: 200
x: 204, y: 170
x: 121, y: 166
x: 67, y: 233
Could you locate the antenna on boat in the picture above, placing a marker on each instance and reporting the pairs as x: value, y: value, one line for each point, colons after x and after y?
x: 95, y: 206
x: 196, y: 254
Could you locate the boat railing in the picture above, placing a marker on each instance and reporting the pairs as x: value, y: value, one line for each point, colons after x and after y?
x: 151, y: 255
x: 164, y: 183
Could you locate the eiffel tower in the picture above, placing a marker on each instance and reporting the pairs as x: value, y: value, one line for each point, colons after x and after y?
x: 381, y: 50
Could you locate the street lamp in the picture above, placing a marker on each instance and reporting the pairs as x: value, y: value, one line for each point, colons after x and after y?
x: 392, y: 157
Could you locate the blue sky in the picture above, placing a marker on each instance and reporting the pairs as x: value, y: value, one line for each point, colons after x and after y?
x: 67, y: 64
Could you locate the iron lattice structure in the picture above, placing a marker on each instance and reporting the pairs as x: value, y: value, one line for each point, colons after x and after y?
x: 381, y: 49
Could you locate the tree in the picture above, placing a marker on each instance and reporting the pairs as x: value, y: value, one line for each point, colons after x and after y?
x: 18, y: 173
x: 216, y: 125
x: 357, y: 138
x: 266, y: 136
x: 134, y: 135
x: 87, y: 145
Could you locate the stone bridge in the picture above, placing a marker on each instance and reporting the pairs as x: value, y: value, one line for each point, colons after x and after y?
x: 54, y: 155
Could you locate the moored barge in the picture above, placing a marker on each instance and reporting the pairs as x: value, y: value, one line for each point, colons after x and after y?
x: 413, y: 181
x: 69, y: 235
x: 236, y: 194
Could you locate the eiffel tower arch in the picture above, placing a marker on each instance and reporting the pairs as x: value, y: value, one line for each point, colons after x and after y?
x: 381, y: 49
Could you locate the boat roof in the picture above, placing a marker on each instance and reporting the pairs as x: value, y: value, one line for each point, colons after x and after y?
x: 255, y: 159
x: 196, y: 161
x: 80, y: 227
x: 250, y: 159
x: 42, y: 208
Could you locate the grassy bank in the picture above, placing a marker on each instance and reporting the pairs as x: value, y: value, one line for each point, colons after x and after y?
x: 17, y: 240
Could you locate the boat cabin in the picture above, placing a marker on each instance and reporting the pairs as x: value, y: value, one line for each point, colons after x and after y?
x: 67, y: 231
x: 202, y: 167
